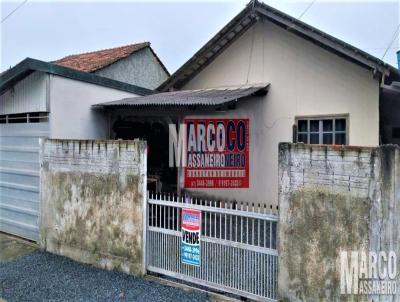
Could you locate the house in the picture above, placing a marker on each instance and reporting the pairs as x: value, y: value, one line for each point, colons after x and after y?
x: 135, y: 64
x: 41, y: 99
x: 286, y: 79
x: 264, y: 78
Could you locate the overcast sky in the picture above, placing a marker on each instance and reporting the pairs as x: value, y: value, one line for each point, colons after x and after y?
x: 53, y: 29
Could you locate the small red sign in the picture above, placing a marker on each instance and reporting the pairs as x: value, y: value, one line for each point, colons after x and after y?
x: 217, y: 153
x: 191, y: 219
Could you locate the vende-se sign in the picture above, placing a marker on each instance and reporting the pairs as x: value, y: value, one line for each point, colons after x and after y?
x: 191, y: 229
x: 217, y: 153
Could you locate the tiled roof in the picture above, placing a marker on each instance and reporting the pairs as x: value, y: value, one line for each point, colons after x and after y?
x: 92, y: 61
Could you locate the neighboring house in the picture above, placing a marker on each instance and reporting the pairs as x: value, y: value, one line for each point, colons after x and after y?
x: 136, y: 64
x: 40, y: 99
x: 390, y: 111
x: 317, y: 90
x: 390, y: 114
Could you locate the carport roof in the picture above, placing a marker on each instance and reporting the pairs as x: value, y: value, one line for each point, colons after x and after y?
x: 200, y: 97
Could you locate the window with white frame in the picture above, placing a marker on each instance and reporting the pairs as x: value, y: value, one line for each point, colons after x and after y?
x: 322, y: 130
x: 20, y: 118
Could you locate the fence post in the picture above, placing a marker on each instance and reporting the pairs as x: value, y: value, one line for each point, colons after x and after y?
x: 145, y: 224
x: 145, y: 199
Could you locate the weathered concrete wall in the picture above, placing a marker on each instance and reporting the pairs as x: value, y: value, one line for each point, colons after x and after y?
x: 384, y: 229
x: 92, y: 202
x: 333, y: 199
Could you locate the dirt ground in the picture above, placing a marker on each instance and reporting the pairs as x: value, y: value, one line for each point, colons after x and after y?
x: 13, y: 247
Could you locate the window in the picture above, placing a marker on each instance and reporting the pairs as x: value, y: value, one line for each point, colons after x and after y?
x: 38, y: 117
x: 32, y: 117
x: 324, y: 131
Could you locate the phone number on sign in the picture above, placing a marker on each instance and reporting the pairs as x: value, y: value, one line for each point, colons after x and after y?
x: 221, y: 183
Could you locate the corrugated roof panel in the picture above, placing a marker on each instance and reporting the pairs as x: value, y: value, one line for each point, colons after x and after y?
x: 201, y: 97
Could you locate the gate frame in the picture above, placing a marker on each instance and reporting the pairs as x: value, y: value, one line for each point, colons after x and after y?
x: 226, y: 211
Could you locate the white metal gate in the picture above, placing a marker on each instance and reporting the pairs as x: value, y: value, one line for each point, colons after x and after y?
x: 238, y: 245
x: 19, y: 178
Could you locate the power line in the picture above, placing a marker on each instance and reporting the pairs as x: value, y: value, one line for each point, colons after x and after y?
x: 392, y: 41
x: 18, y: 7
x: 393, y: 47
x: 250, y: 55
x: 396, y: 33
x: 306, y: 10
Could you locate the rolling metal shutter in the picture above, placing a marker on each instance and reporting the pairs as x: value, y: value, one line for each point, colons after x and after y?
x: 19, y: 178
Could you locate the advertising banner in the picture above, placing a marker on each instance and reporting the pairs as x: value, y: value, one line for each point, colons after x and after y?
x: 191, y: 226
x: 217, y: 153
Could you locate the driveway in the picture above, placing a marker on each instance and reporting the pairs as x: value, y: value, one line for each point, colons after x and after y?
x: 27, y: 274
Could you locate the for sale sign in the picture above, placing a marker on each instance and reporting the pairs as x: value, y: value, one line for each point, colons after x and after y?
x: 217, y: 153
x: 191, y: 226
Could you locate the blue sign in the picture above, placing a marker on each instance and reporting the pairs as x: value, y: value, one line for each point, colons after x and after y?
x: 191, y: 222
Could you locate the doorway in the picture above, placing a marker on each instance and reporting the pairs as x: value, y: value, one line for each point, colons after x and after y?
x: 160, y: 176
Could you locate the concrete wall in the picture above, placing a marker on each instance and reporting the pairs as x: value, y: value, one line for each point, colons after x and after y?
x: 28, y: 95
x: 333, y: 199
x: 141, y: 68
x: 305, y: 80
x: 93, y: 202
x: 71, y: 115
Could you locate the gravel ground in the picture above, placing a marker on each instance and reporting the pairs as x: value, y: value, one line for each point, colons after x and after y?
x: 42, y: 276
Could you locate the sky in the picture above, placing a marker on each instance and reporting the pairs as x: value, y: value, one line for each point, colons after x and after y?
x: 49, y: 30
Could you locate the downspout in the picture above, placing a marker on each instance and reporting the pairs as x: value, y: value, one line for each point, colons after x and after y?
x: 382, y: 80
x: 398, y: 59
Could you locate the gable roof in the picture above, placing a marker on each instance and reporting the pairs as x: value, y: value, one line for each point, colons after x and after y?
x: 96, y: 60
x: 252, y: 13
x: 24, y: 68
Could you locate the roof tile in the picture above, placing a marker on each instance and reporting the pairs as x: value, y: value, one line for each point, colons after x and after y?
x: 93, y: 61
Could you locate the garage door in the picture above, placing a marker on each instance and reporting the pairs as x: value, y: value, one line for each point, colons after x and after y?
x: 19, y: 178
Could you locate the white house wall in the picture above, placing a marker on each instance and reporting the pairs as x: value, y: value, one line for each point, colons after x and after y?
x: 305, y: 80
x: 71, y: 114
x: 28, y: 95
